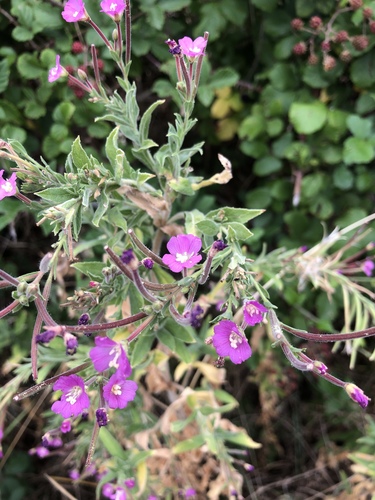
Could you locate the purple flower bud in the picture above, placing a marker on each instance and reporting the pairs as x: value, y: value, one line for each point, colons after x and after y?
x: 39, y: 451
x: 357, y: 395
x: 74, y: 474
x: 149, y: 263
x: 196, y: 316
x: 321, y: 367
x: 71, y: 343
x: 219, y: 245
x: 174, y: 48
x: 190, y: 492
x: 127, y: 256
x: 248, y: 467
x: 368, y: 267
x: 130, y: 483
x: 45, y: 337
x: 101, y: 417
x: 66, y: 426
x: 84, y: 319
x: 55, y: 443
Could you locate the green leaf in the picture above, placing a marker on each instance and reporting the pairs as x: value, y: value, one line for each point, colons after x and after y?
x: 283, y: 76
x: 64, y: 112
x: 103, y: 204
x: 22, y: 34
x: 182, y: 185
x: 111, y: 444
x: 183, y: 352
x: 358, y: 150
x: 141, y: 348
x: 239, y: 438
x: 173, y: 5
x: 146, y: 119
x: 343, y: 178
x: 188, y: 444
x: 79, y: 156
x: 4, y: 75
x: 265, y: 5
x: 336, y: 125
x: 208, y: 227
x: 230, y: 214
x: 12, y: 132
x: 211, y: 20
x: 362, y: 70
x: 237, y: 231
x: 360, y: 127
x: 284, y: 48
x: 167, y: 339
x: 34, y: 110
x: 117, y: 219
x: 252, y: 127
x: 266, y: 166
x: 308, y: 118
x: 9, y: 209
x: 29, y: 66
x: 181, y: 332
x: 315, y: 77
x: 56, y: 195
x: 223, y: 77
x: 91, y: 269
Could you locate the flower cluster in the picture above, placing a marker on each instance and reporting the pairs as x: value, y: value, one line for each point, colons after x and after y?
x: 117, y: 392
x: 230, y: 340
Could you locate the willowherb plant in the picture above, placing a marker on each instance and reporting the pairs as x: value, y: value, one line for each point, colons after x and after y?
x: 144, y: 304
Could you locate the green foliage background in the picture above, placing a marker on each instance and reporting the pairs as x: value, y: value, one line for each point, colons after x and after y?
x: 270, y: 112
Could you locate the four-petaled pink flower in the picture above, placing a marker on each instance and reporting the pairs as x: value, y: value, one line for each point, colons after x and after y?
x: 357, y: 395
x: 7, y: 186
x: 109, y: 354
x: 253, y: 312
x: 368, y: 267
x: 74, y: 398
x: 57, y: 71
x: 192, y: 48
x: 118, y: 391
x: 183, y: 254
x: 228, y: 340
x: 113, y: 8
x: 74, y: 10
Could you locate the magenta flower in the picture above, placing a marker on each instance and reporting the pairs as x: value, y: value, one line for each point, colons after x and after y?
x: 368, y: 267
x: 190, y: 492
x: 57, y: 71
x: 66, y: 426
x: 108, y: 490
x: 357, y: 395
x: 130, y: 483
x: 228, y: 340
x: 253, y: 312
x: 74, y: 398
x: 74, y: 10
x: 113, y: 8
x: 192, y: 48
x: 119, y: 391
x: 40, y: 451
x: 109, y: 354
x: 183, y: 250
x: 7, y: 186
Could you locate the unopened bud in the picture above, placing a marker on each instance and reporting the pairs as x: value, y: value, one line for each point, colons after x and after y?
x: 45, y: 263
x: 101, y: 417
